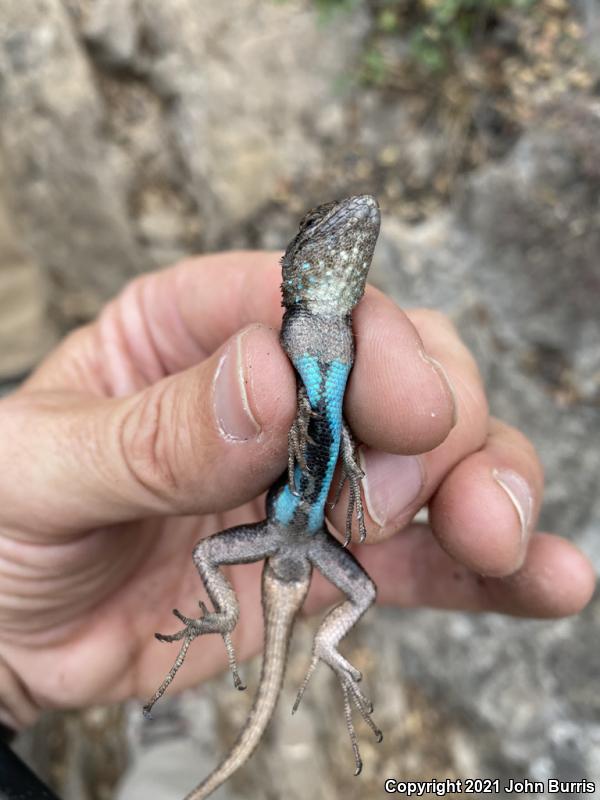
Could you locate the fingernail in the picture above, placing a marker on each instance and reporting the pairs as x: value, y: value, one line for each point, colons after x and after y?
x: 232, y: 408
x: 392, y: 483
x: 520, y: 496
x: 443, y: 375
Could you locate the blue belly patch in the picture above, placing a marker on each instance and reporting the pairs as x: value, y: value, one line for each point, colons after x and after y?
x: 335, y: 386
x: 325, y: 386
x: 287, y: 503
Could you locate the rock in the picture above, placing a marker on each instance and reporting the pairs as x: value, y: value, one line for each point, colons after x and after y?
x: 137, y: 132
x: 73, y: 214
x: 26, y: 332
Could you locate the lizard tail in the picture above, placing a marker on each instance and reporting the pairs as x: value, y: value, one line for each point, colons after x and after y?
x: 282, y: 599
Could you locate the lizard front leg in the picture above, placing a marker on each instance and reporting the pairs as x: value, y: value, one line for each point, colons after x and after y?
x: 240, y: 545
x: 352, y: 472
x: 340, y: 567
x: 298, y: 437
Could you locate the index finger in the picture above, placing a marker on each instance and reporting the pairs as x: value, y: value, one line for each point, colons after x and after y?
x: 165, y: 322
x: 216, y: 295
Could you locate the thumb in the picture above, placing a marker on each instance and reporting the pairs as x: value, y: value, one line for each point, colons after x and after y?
x: 203, y: 440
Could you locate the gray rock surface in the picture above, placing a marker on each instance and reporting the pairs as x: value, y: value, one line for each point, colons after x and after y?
x: 136, y: 132
x: 26, y: 330
x: 65, y: 188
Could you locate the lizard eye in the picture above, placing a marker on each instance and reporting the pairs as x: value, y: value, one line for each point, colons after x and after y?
x: 309, y: 221
x: 316, y: 216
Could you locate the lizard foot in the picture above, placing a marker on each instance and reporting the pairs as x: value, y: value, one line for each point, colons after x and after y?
x: 352, y: 473
x: 298, y: 438
x: 207, y: 622
x: 349, y: 678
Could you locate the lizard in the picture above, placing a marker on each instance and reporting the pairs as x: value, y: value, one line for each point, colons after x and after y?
x: 324, y: 271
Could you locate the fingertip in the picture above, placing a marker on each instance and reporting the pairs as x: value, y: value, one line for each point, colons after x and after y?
x: 476, y: 520
x: 401, y: 400
x: 253, y: 386
x: 271, y: 379
x: 246, y: 416
x: 556, y: 580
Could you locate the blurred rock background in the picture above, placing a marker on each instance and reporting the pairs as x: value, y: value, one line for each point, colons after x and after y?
x: 133, y: 132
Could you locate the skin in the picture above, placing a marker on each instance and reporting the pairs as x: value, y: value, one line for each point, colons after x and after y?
x: 131, y: 442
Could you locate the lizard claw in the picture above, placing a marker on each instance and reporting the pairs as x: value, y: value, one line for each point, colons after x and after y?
x: 207, y: 622
x: 351, y: 472
x: 349, y: 678
x: 299, y: 438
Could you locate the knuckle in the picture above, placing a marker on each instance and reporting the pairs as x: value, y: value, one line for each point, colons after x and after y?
x: 74, y: 340
x: 146, y: 439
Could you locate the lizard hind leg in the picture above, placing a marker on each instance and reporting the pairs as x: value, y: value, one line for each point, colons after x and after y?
x: 240, y: 545
x: 341, y: 568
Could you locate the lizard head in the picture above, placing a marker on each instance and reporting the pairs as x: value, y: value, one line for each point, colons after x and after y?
x: 325, y: 266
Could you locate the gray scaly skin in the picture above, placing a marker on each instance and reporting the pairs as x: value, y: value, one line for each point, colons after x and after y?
x: 324, y: 273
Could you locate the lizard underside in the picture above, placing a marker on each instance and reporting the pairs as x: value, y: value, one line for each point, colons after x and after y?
x: 324, y: 272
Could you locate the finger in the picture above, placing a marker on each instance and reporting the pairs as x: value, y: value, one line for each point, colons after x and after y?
x: 399, y: 398
x: 208, y: 438
x: 166, y: 321
x: 485, y: 509
x: 412, y: 570
x: 407, y: 416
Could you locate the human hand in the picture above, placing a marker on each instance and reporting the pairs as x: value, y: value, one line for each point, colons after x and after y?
x: 166, y: 419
